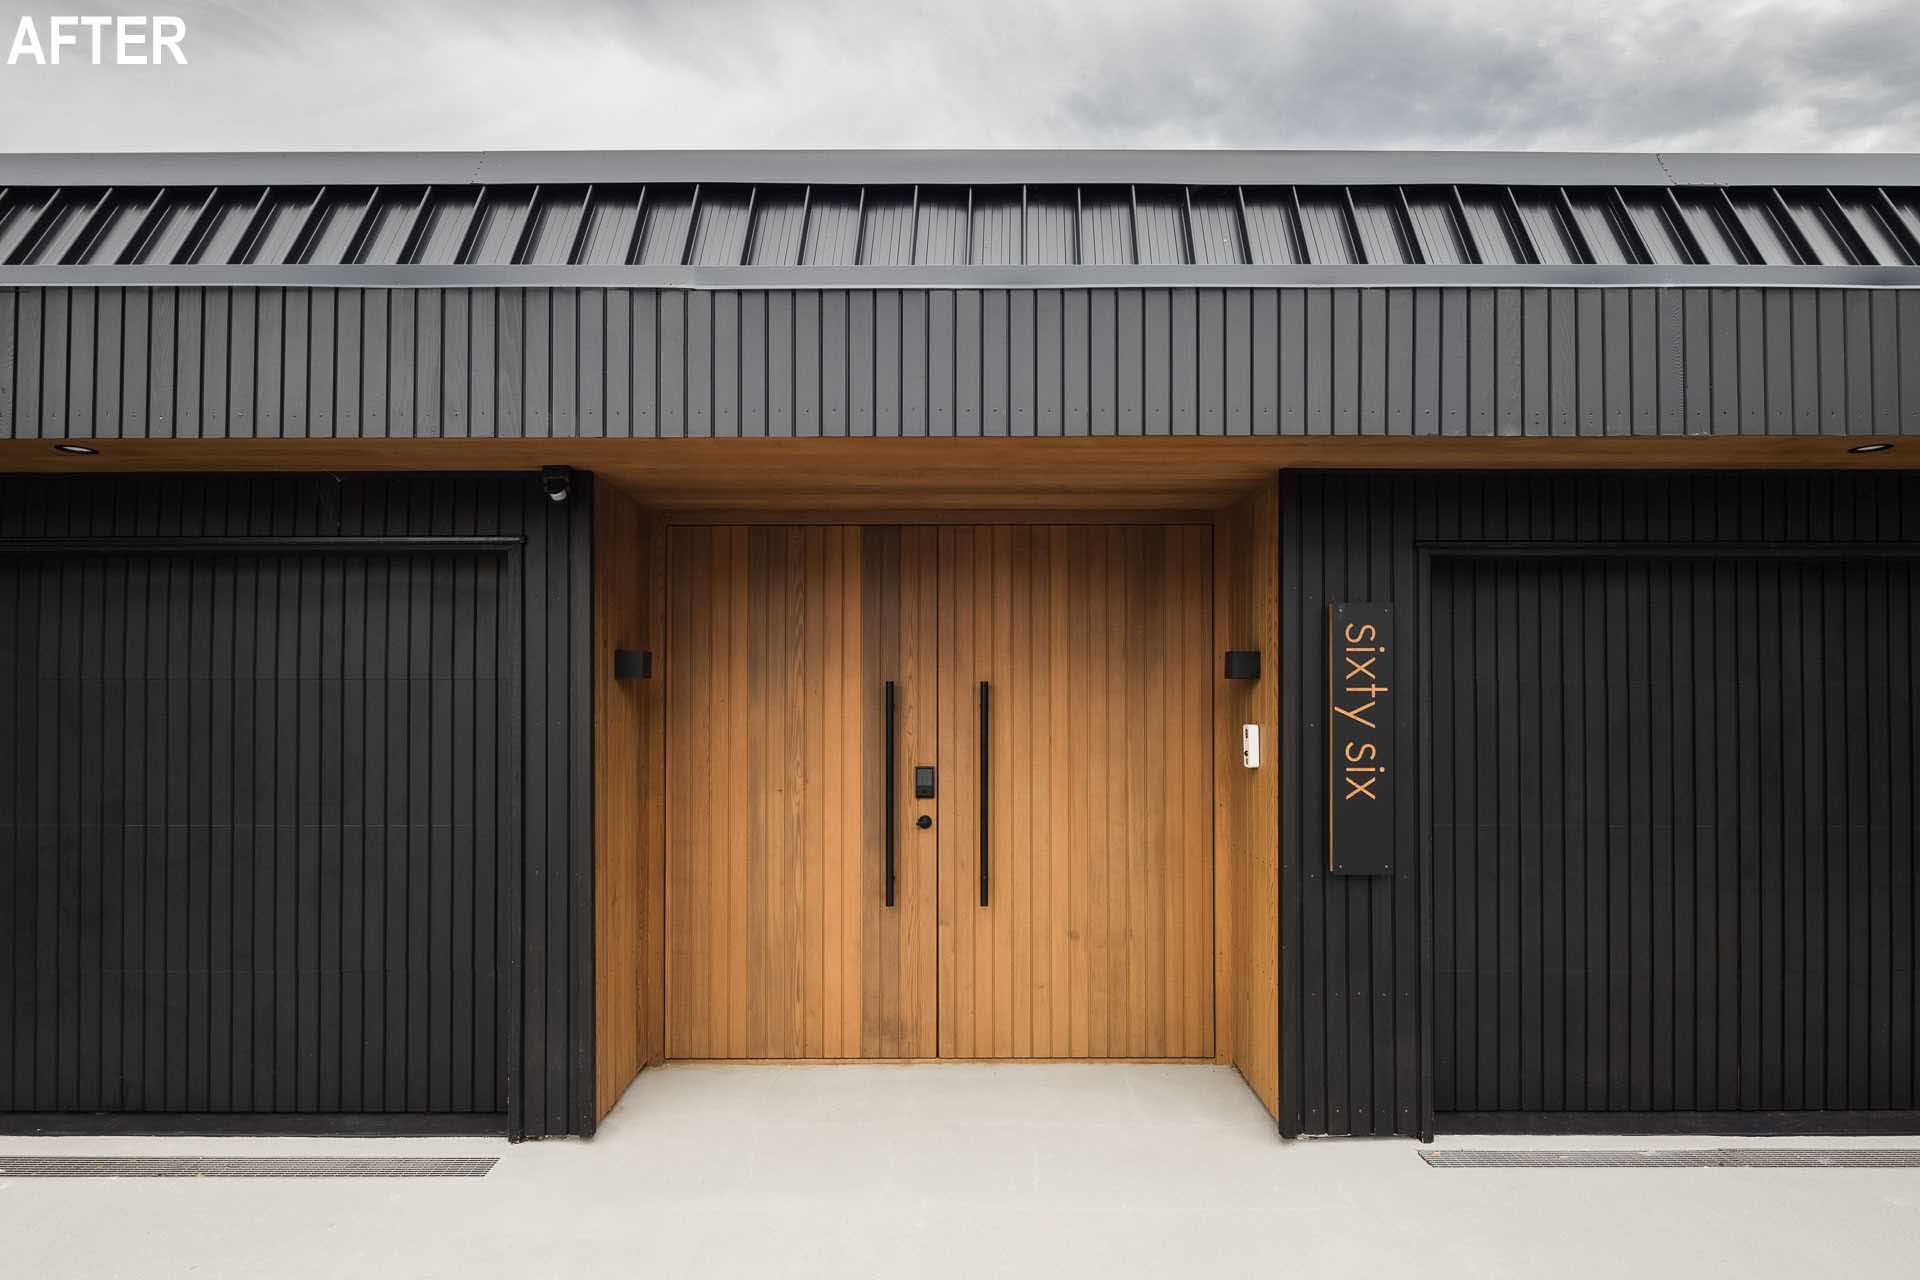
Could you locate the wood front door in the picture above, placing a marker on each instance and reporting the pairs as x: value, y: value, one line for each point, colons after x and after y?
x: 1088, y: 931
x: 1095, y: 936
x: 780, y: 942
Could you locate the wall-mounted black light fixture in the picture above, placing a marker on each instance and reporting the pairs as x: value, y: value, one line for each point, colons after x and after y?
x: 75, y: 448
x: 1243, y: 664
x: 1878, y: 446
x: 633, y: 664
x: 556, y: 482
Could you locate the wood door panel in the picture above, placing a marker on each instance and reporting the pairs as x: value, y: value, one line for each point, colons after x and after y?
x: 782, y: 639
x: 1098, y: 937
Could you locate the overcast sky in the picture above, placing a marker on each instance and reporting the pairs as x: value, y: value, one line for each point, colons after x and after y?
x: 1637, y: 74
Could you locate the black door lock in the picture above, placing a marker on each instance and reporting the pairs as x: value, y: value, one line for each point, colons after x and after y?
x: 923, y: 821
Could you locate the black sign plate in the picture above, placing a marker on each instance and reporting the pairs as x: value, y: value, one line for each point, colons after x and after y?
x: 1360, y: 770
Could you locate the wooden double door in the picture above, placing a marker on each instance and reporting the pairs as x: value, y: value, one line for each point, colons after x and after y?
x: 1052, y: 897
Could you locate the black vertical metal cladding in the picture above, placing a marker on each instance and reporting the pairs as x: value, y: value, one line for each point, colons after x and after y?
x: 1652, y: 885
x: 266, y: 801
x: 1453, y: 361
x: 1659, y: 871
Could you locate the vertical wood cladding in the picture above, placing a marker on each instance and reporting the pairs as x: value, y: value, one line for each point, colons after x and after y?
x: 1246, y: 548
x: 261, y: 810
x: 1607, y: 934
x: 273, y: 363
x: 783, y: 640
x: 627, y: 724
x: 1097, y: 937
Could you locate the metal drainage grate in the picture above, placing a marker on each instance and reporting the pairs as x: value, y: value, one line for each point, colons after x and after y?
x: 1707, y: 1158
x: 245, y: 1166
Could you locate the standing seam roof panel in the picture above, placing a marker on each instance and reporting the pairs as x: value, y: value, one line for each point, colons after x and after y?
x: 1541, y: 221
x: 1810, y: 219
x: 1866, y: 219
x: 663, y: 228
x: 497, y: 232
x: 1162, y: 228
x: 1762, y: 227
x: 720, y: 227
x: 1489, y: 226
x: 1323, y: 223
x: 1606, y: 239
x: 557, y: 218
x: 997, y: 235
x: 1382, y: 237
x: 774, y: 230
x: 1216, y: 227
x: 610, y: 220
x: 735, y: 225
x: 1272, y: 232
x: 1050, y: 235
x: 890, y: 227
x: 833, y: 230
x: 1106, y: 227
x: 940, y: 230
x: 1707, y: 223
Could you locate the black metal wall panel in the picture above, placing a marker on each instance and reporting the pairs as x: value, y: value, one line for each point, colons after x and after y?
x: 1360, y: 1024
x: 301, y: 830
x: 113, y: 363
x: 1674, y: 834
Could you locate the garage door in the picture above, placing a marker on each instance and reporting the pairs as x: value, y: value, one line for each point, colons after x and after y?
x: 251, y: 816
x: 1674, y: 836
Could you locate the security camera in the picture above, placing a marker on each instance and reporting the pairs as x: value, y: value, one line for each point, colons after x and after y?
x: 557, y: 482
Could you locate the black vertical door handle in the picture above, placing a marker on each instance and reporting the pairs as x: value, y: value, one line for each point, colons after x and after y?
x: 985, y: 776
x: 887, y: 826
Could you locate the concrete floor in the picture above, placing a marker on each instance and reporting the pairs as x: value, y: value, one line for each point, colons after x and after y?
x: 965, y: 1170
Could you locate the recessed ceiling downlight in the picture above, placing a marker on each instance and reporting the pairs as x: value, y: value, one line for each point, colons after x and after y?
x: 74, y: 448
x: 1878, y: 446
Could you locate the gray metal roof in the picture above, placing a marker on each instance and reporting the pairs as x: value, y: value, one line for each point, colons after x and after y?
x: 959, y: 218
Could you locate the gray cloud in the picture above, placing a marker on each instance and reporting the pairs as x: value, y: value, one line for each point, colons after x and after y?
x: 1646, y: 75
x: 1629, y: 74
